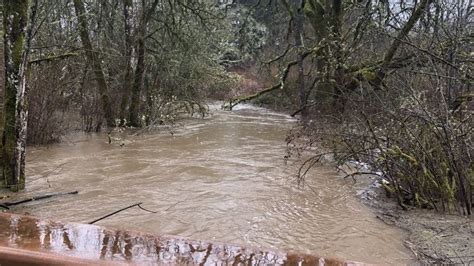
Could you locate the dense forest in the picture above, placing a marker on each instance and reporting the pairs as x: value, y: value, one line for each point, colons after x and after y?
x: 385, y: 84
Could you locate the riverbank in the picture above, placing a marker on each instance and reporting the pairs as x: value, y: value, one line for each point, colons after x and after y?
x: 432, y: 237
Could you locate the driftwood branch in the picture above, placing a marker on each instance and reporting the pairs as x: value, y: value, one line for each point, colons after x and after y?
x: 6, y: 205
x: 123, y: 209
x: 115, y: 212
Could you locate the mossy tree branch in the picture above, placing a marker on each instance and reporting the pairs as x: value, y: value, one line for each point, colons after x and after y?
x: 280, y: 85
x: 52, y: 58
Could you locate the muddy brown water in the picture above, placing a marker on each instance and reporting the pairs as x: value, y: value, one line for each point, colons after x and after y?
x: 26, y: 240
x: 219, y: 179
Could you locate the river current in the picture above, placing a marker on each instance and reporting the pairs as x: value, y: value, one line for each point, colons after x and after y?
x: 221, y: 179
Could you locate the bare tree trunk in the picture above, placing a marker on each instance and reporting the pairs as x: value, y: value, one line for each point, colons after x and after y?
x: 2, y: 91
x: 17, y: 38
x: 138, y: 76
x: 390, y: 53
x: 93, y: 58
x: 140, y: 69
x: 340, y: 73
x: 127, y: 83
x: 299, y: 36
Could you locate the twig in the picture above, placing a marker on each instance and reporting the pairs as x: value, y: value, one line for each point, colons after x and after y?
x: 310, y: 187
x: 115, y: 212
x: 54, y: 170
x: 352, y: 175
x: 123, y: 209
x: 178, y: 202
x: 140, y: 206
x: 410, y: 246
x: 288, y: 48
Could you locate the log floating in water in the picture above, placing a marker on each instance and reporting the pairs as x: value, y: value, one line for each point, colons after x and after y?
x: 6, y: 205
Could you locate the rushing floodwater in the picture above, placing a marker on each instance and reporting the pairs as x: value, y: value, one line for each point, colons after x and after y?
x: 219, y: 179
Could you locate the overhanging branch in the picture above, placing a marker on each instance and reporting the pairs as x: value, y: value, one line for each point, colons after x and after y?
x: 280, y: 85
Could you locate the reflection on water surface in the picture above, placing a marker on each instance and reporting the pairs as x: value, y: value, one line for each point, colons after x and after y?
x: 94, y: 242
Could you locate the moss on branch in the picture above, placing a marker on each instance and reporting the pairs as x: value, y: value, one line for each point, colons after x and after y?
x: 51, y: 58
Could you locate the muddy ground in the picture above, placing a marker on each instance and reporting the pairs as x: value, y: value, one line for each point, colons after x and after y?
x: 433, y: 238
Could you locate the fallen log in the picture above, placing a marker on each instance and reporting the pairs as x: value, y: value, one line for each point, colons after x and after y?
x: 6, y: 205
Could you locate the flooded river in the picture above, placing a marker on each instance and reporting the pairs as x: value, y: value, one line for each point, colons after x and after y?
x: 219, y: 179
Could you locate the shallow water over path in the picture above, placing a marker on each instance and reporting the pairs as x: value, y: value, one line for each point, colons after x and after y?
x: 220, y: 179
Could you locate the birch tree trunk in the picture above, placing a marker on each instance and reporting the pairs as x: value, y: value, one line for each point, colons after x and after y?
x: 17, y: 38
x: 94, y: 60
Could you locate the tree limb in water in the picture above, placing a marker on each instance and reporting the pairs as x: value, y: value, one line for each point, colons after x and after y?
x: 233, y: 102
x: 301, y: 109
x: 123, y: 209
x: 280, y: 85
x: 6, y: 205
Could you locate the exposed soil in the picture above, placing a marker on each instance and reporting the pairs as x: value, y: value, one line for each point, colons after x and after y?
x: 432, y: 237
